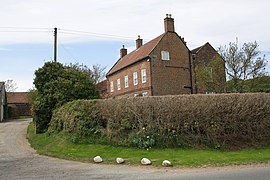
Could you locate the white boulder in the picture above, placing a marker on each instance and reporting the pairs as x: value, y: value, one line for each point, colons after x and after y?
x: 166, y: 163
x: 145, y: 161
x: 98, y: 159
x: 120, y: 160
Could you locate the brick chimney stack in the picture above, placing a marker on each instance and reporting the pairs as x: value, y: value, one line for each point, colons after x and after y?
x: 139, y: 42
x: 169, y: 23
x: 123, y: 52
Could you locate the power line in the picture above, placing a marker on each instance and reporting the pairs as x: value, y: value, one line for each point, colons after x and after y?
x: 25, y: 28
x: 86, y: 33
x: 14, y: 31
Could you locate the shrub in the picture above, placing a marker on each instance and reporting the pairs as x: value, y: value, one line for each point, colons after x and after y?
x: 79, y: 118
x: 55, y: 85
x: 217, y: 121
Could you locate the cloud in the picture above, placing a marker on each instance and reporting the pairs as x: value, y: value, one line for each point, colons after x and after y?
x: 4, y: 49
x: 199, y: 21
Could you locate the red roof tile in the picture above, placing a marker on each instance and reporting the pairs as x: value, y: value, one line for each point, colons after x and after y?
x: 135, y: 55
x: 17, y: 97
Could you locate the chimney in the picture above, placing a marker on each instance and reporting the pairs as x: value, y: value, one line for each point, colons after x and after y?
x: 169, y: 23
x: 123, y: 52
x: 139, y: 42
x: 183, y: 39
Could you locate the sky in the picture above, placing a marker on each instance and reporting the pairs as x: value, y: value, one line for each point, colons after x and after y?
x: 93, y: 31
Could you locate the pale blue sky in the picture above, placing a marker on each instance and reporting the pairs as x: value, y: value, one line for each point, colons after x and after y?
x: 21, y: 53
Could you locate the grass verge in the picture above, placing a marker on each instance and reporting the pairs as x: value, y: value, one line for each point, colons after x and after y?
x: 58, y: 145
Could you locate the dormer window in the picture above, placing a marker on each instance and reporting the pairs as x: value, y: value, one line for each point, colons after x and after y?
x: 165, y: 55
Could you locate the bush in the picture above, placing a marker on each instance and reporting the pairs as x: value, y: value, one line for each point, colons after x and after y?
x: 10, y: 112
x: 217, y: 121
x: 79, y: 118
x: 55, y: 85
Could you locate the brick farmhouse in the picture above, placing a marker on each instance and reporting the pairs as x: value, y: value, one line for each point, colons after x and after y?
x: 19, y: 102
x: 165, y: 66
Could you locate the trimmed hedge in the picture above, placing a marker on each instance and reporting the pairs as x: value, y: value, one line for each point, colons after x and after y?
x: 224, y: 120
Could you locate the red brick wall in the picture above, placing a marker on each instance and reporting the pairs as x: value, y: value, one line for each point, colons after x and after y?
x: 170, y: 76
x: 208, y: 57
x: 132, y: 89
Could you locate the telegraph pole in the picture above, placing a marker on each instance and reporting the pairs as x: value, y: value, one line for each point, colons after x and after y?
x: 55, y: 44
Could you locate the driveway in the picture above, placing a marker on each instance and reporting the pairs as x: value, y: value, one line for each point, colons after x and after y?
x: 19, y: 161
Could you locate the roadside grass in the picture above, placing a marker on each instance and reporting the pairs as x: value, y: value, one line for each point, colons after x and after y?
x: 21, y: 117
x: 58, y: 145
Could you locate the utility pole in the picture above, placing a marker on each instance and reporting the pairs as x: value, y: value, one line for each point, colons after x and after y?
x: 55, y: 44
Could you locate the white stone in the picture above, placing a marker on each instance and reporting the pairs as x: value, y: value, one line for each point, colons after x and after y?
x: 145, y: 161
x: 98, y: 159
x: 120, y: 160
x: 166, y: 163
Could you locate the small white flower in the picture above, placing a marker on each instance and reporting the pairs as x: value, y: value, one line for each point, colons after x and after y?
x: 147, y: 137
x: 143, y: 128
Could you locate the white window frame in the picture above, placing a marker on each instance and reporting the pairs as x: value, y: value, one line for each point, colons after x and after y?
x: 118, y: 84
x: 126, y: 81
x: 165, y: 55
x: 135, y: 78
x: 144, y: 94
x: 143, y: 73
x: 111, y: 85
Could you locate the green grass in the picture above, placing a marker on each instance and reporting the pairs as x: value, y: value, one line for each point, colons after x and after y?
x: 57, y: 145
x: 22, y: 117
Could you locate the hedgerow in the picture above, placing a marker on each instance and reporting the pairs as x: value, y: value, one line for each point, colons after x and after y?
x: 218, y: 121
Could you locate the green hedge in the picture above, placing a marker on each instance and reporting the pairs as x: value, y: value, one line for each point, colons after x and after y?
x: 225, y: 120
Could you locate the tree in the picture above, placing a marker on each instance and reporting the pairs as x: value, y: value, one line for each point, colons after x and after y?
x: 57, y: 84
x: 10, y: 86
x: 243, y: 63
x: 96, y: 72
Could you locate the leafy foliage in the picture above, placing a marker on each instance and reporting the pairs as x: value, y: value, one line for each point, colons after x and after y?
x: 57, y: 84
x: 259, y: 84
x: 243, y: 63
x: 216, y: 121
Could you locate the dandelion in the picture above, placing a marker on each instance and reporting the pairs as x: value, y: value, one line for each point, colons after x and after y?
x: 147, y: 137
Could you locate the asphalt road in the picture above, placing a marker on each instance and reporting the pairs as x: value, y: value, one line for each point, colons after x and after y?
x: 19, y: 161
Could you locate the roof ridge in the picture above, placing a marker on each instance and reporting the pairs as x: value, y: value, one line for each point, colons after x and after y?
x: 135, y: 55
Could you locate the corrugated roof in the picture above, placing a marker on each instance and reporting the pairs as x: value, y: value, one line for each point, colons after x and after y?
x: 135, y: 55
x: 17, y: 97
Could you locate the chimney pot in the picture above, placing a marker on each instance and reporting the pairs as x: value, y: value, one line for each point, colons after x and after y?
x: 169, y: 23
x: 139, y: 42
x: 123, y: 52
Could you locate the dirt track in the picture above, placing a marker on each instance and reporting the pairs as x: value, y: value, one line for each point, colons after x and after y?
x: 19, y: 161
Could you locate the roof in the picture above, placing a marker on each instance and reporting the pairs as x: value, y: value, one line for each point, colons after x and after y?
x: 136, y: 55
x: 17, y: 98
x: 196, y: 50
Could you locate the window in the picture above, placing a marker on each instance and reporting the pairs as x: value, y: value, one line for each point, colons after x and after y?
x: 145, y: 94
x: 165, y: 55
x: 126, y: 81
x: 111, y: 86
x: 135, y: 78
x: 143, y: 71
x: 208, y: 74
x: 118, y: 84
